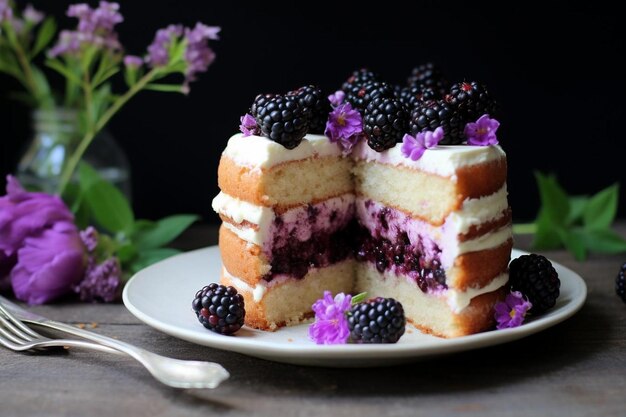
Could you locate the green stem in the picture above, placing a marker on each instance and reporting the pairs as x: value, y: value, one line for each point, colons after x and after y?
x: 23, y: 60
x: 75, y: 158
x: 525, y: 228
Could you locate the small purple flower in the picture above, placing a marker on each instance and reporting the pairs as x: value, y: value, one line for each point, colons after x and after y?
x: 89, y: 237
x: 49, y: 264
x: 336, y: 99
x: 413, y: 147
x: 331, y: 324
x: 101, y: 281
x: 24, y: 214
x: 511, y: 312
x: 158, y: 54
x: 6, y: 12
x: 32, y: 15
x: 248, y: 125
x: 343, y: 123
x: 198, y: 53
x: 133, y: 61
x: 483, y: 132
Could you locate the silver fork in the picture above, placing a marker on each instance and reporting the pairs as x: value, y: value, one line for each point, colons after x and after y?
x: 172, y: 372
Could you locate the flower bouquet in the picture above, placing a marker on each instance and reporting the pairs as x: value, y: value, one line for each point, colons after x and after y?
x: 86, y: 239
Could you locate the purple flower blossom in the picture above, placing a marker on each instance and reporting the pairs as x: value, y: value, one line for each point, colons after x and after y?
x: 6, y: 12
x: 413, y: 147
x: 32, y: 15
x: 133, y: 61
x: 343, y: 123
x: 336, y: 99
x: 483, y: 132
x: 95, y: 27
x: 511, y: 312
x: 248, y: 125
x: 331, y: 324
x: 101, y: 281
x: 89, y: 237
x: 158, y: 54
x: 198, y: 53
x: 24, y: 214
x: 49, y: 264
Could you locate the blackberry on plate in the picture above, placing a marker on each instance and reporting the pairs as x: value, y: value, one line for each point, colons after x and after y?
x: 378, y: 320
x: 472, y: 100
x: 282, y: 120
x: 428, y: 75
x: 359, y: 77
x: 316, y: 104
x: 535, y: 277
x: 260, y: 101
x: 431, y: 114
x: 620, y: 285
x: 359, y: 96
x: 219, y: 308
x: 411, y: 97
x: 385, y: 122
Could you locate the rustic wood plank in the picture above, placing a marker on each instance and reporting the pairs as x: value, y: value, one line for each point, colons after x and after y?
x: 577, y: 368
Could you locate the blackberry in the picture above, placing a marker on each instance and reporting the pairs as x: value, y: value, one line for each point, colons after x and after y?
x: 378, y: 320
x: 260, y: 101
x: 385, y: 122
x: 472, y: 100
x: 411, y: 97
x: 220, y: 309
x: 535, y: 277
x: 431, y: 114
x: 282, y: 120
x: 316, y: 104
x: 428, y: 75
x: 360, y: 77
x: 620, y: 285
x: 359, y: 96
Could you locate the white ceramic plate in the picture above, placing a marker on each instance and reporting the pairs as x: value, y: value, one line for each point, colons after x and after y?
x: 161, y: 296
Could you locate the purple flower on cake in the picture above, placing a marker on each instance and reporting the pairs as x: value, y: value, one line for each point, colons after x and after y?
x: 343, y: 123
x: 248, y: 125
x: 413, y: 147
x: 483, y: 132
x: 336, y: 98
x: 133, y: 61
x: 512, y: 311
x: 331, y: 324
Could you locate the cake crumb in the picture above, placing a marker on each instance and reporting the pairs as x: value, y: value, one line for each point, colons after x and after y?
x: 409, y: 331
x: 94, y: 324
x: 81, y: 325
x: 290, y: 340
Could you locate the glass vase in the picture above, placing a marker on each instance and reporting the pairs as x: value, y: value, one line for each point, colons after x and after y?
x: 55, y: 136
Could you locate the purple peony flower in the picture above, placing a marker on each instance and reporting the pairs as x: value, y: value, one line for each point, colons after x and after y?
x: 198, y: 53
x: 49, y: 264
x: 483, y: 132
x: 133, y: 61
x: 95, y: 27
x: 158, y: 53
x: 336, y: 98
x: 101, y: 281
x: 343, y: 123
x: 248, y: 125
x: 32, y: 15
x: 511, y: 312
x: 413, y: 147
x: 331, y: 324
x: 24, y: 214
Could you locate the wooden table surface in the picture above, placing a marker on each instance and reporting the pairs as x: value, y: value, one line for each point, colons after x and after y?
x: 577, y: 368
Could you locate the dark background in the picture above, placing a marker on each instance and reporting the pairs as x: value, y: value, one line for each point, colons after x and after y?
x: 557, y: 73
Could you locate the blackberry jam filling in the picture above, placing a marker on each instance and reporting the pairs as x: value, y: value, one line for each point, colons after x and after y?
x: 402, y: 256
x: 296, y: 257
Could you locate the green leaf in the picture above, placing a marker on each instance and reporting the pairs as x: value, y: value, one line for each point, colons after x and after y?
x: 130, y: 75
x: 554, y: 201
x: 604, y: 241
x: 58, y: 66
x: 548, y: 233
x: 126, y: 252
x: 358, y: 298
x: 46, y: 31
x: 163, y: 231
x: 168, y: 88
x: 577, y: 206
x: 575, y: 242
x: 601, y: 209
x: 151, y: 256
x: 108, y: 205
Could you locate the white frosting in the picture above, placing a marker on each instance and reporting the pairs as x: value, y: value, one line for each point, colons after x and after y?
x: 459, y: 300
x: 258, y: 291
x: 476, y: 211
x: 260, y: 152
x: 441, y: 160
